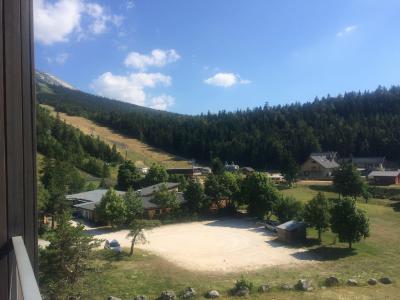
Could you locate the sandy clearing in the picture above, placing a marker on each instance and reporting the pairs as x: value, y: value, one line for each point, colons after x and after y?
x: 228, y: 245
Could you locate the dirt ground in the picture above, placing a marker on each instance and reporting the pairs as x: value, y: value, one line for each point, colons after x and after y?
x: 228, y: 245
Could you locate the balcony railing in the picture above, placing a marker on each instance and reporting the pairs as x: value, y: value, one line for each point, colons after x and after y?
x: 23, y: 282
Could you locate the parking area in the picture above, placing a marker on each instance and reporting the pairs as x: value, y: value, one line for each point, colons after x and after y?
x: 227, y: 245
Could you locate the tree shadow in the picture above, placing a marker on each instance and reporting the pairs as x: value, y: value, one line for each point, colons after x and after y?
x: 113, y: 256
x: 322, y: 188
x: 325, y: 253
x: 276, y: 243
x: 395, y: 206
x: 241, y: 223
x: 102, y: 230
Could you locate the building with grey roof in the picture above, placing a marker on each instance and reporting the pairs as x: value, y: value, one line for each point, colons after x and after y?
x: 384, y: 177
x: 292, y: 231
x: 85, y: 203
x: 366, y: 164
x: 319, y: 166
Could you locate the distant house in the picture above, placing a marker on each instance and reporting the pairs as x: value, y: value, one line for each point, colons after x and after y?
x: 276, y: 177
x: 188, y: 172
x: 231, y: 167
x: 205, y: 170
x: 384, y: 177
x: 84, y: 204
x: 143, y: 170
x: 247, y: 170
x: 366, y: 164
x: 216, y: 205
x: 319, y: 166
x: 292, y: 231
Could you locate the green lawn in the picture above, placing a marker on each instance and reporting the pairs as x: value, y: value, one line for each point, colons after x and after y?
x: 377, y: 256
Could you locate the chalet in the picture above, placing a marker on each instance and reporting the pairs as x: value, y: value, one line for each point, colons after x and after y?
x: 319, y: 166
x: 366, y: 164
x: 231, y: 167
x: 247, y: 170
x: 384, y: 177
x: 84, y: 204
x: 292, y: 231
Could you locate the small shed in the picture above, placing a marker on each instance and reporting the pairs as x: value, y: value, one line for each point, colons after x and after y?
x: 292, y: 231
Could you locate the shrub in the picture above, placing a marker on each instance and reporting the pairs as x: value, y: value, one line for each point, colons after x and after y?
x: 287, y: 208
x: 242, y: 283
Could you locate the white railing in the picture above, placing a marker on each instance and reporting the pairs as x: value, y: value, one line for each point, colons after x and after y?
x: 23, y: 284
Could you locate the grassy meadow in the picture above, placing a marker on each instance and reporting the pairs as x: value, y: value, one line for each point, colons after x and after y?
x: 376, y: 256
x: 135, y: 150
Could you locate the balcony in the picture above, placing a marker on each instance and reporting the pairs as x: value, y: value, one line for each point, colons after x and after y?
x: 23, y: 283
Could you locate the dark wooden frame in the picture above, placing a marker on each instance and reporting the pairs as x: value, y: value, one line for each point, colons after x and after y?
x: 17, y: 136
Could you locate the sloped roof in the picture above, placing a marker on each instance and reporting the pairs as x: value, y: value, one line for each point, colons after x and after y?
x: 291, y: 225
x: 368, y: 160
x: 87, y: 205
x: 91, y: 196
x: 384, y: 173
x: 322, y: 159
x: 148, y: 204
x: 147, y: 191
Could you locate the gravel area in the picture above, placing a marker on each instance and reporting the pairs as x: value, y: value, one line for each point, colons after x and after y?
x: 227, y: 245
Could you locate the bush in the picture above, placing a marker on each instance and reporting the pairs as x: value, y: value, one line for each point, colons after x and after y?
x: 287, y: 208
x: 242, y: 283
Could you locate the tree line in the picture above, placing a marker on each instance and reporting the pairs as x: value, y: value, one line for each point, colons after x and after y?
x: 63, y: 142
x: 356, y: 123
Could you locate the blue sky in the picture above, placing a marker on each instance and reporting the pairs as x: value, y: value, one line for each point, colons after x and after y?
x: 193, y: 56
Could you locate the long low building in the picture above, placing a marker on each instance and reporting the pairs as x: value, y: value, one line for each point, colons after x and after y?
x: 384, y: 177
x: 85, y: 203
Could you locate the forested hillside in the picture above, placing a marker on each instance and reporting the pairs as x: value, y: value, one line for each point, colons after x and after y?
x: 357, y: 123
x: 62, y: 142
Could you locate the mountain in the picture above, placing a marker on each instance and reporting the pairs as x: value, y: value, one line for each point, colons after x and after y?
x: 43, y: 78
x: 356, y: 123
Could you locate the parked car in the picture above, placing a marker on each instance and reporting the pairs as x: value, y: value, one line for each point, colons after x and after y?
x: 113, y: 245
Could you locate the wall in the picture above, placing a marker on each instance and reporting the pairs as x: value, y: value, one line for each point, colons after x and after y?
x: 17, y: 136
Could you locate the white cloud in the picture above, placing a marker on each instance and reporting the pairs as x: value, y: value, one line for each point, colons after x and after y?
x: 56, y: 21
x: 131, y: 88
x: 130, y: 4
x: 60, y: 59
x: 162, y: 102
x: 346, y: 31
x: 157, y: 58
x: 226, y: 80
x: 101, y: 20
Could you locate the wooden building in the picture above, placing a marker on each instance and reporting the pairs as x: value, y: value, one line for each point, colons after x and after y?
x: 384, y: 177
x: 188, y: 172
x: 292, y: 231
x: 366, y: 164
x: 85, y: 203
x: 319, y: 166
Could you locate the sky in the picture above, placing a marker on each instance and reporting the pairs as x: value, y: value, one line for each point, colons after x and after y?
x: 196, y: 56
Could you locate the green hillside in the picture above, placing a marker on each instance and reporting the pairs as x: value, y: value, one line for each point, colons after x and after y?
x: 356, y: 123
